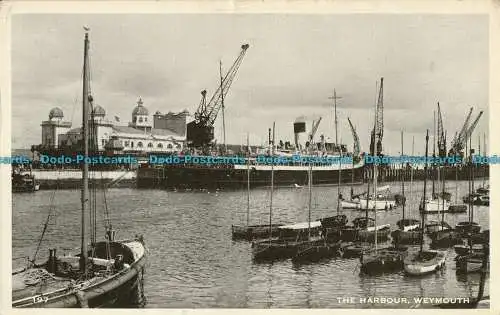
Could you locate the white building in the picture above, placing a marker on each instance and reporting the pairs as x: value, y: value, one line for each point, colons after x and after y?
x: 139, y: 136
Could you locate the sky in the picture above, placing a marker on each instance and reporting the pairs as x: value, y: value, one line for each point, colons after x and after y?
x: 291, y: 69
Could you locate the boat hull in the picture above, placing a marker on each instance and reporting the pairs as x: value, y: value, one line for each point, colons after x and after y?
x: 376, y: 204
x: 112, y: 291
x: 243, y: 232
x: 406, y: 237
x: 381, y: 261
x: 426, y: 262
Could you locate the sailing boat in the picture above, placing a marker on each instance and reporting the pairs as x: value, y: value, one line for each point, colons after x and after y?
x: 424, y: 261
x: 332, y: 225
x: 376, y: 259
x: 409, y: 229
x: 250, y: 232
x: 467, y: 228
x: 436, y: 203
x: 290, y: 236
x: 479, y: 301
x: 106, y: 273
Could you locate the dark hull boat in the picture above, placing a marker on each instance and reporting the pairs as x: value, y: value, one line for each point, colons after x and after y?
x: 457, y: 209
x: 369, y: 235
x: 382, y: 260
x: 406, y: 237
x: 279, y: 249
x: 317, y: 252
x: 355, y: 250
x: 24, y: 183
x: 466, y: 228
x: 469, y: 263
x: 57, y: 284
x: 243, y: 232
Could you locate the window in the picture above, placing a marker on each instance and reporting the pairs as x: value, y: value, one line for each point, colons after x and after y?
x: 160, y: 145
x: 126, y: 143
x: 139, y: 144
x: 134, y: 120
x: 145, y: 119
x: 132, y: 144
x: 140, y: 119
x: 150, y: 145
x: 169, y: 146
x: 178, y: 146
x: 103, y: 142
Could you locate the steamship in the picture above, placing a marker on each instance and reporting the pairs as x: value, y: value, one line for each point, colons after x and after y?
x: 329, y: 159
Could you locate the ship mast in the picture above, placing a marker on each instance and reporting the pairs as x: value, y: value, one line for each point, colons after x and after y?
x: 85, y: 166
x: 248, y: 182
x: 335, y: 97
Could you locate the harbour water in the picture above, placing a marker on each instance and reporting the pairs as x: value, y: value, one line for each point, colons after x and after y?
x: 193, y: 262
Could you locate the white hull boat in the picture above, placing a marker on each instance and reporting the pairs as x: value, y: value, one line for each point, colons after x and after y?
x: 436, y: 205
x: 377, y: 205
x: 425, y: 262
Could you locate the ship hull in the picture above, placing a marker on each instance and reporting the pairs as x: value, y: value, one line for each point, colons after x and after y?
x: 224, y: 177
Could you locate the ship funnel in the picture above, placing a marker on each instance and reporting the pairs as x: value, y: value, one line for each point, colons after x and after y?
x: 299, y: 126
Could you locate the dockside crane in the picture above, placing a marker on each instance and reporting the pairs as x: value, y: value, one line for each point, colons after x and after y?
x: 376, y: 135
x: 314, y: 128
x: 458, y: 142
x: 464, y: 134
x: 357, y: 148
x: 200, y: 132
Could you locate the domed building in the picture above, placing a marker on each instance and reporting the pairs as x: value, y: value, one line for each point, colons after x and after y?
x: 163, y: 133
x: 54, y: 127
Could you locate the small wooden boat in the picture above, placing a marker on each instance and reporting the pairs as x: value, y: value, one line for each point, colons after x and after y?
x: 406, y: 237
x: 250, y: 232
x: 466, y: 227
x: 243, y: 232
x: 58, y: 284
x: 382, y: 260
x: 436, y: 226
x: 436, y: 205
x: 355, y: 250
x: 465, y: 249
x: 469, y: 263
x: 457, y: 208
x: 349, y: 204
x: 316, y: 252
x: 406, y: 225
x: 24, y: 182
x: 278, y: 249
x: 103, y: 273
x: 477, y: 199
x: 424, y: 262
x: 370, y: 204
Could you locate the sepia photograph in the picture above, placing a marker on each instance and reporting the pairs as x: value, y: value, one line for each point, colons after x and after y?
x: 250, y: 160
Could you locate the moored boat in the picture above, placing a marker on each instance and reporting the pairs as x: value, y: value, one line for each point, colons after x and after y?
x: 104, y: 273
x: 424, y: 261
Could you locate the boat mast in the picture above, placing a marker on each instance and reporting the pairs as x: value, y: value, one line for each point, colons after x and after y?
x: 444, y: 181
x: 375, y: 168
x: 248, y: 182
x: 272, y: 187
x: 85, y: 166
x: 309, y: 184
x: 411, y: 172
x: 403, y: 176
x: 422, y: 213
x: 472, y: 181
x: 337, y: 145
x: 434, y: 156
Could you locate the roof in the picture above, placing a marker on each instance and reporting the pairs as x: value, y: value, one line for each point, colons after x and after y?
x: 56, y: 112
x: 154, y: 132
x: 99, y: 111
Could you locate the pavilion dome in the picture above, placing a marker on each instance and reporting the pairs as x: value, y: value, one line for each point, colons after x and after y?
x: 56, y: 112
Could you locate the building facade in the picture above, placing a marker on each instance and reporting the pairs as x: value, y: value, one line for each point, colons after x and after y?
x: 144, y: 134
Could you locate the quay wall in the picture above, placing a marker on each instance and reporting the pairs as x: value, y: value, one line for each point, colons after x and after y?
x: 72, y: 179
